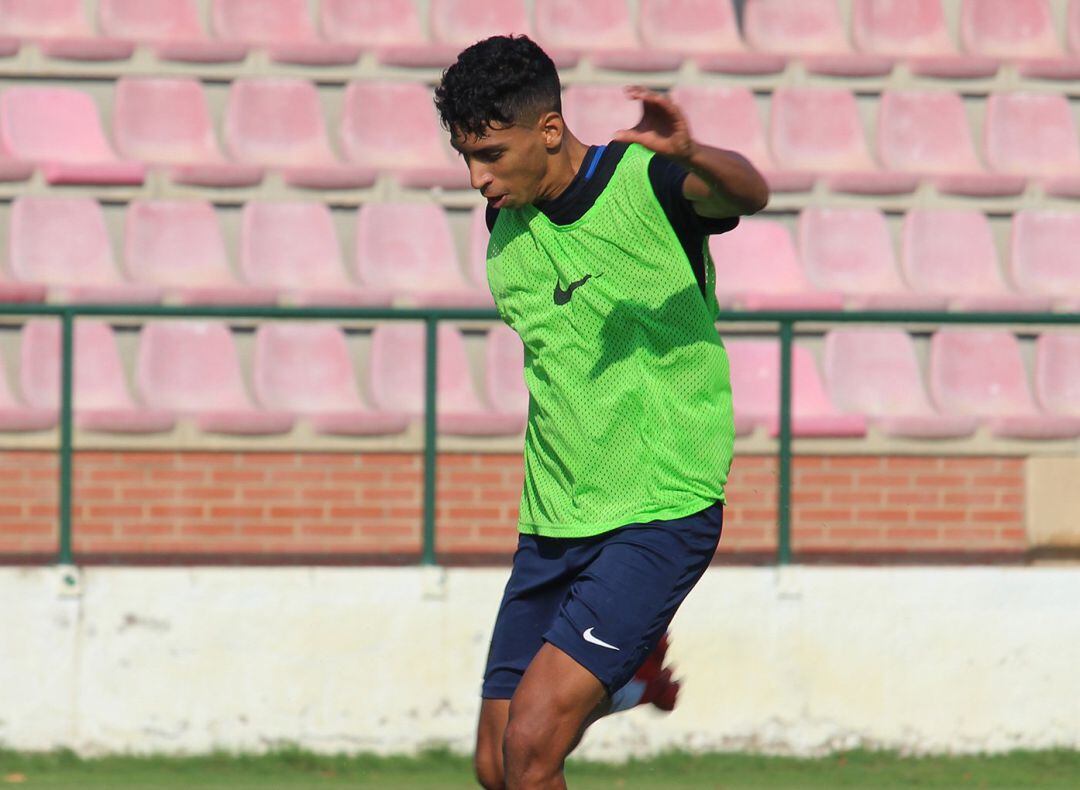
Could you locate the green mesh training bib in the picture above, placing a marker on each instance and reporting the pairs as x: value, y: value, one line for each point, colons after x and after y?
x: 630, y: 415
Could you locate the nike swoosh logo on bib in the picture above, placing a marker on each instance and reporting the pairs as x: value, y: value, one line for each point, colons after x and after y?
x: 563, y: 296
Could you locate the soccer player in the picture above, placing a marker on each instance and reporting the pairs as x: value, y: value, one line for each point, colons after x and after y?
x: 598, y: 260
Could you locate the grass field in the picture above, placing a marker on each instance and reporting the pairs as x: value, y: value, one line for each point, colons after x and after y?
x: 290, y: 768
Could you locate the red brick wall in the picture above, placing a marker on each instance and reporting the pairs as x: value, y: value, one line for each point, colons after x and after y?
x: 269, y: 504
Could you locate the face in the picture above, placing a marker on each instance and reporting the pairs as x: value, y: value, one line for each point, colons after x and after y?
x: 509, y: 165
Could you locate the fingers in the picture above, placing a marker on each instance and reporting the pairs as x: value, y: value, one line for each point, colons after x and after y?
x: 643, y: 94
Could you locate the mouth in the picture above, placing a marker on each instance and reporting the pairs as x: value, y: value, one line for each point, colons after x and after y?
x: 497, y: 202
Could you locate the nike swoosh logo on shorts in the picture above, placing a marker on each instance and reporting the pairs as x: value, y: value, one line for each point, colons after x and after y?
x: 588, y: 636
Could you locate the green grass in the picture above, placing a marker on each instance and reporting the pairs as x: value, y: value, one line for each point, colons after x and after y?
x: 294, y: 768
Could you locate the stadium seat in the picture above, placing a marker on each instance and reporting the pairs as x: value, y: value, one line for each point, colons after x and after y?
x: 389, y: 28
x: 952, y: 253
x: 812, y: 31
x: 394, y: 126
x: 58, y: 130
x: 396, y: 380
x: 166, y: 123
x: 459, y: 23
x: 478, y: 244
x: 1020, y: 31
x: 1072, y: 27
x: 761, y: 270
x: 1045, y: 259
x: 307, y: 369
x: 408, y: 250
x: 171, y: 28
x: 728, y: 117
x: 926, y: 133
x: 60, y: 29
x: 595, y: 112
x: 191, y: 368
x: 12, y: 292
x: 850, y: 250
x: 1057, y: 372
x: 177, y: 246
x: 283, y: 28
x: 915, y: 32
x: 62, y: 243
x: 602, y: 31
x: 1034, y: 134
x: 818, y: 130
x: 11, y: 169
x: 294, y: 248
x: 16, y: 416
x: 981, y: 373
x: 875, y: 372
x: 504, y: 381
x: 101, y: 399
x: 755, y: 389
x: 704, y: 31
x: 278, y: 123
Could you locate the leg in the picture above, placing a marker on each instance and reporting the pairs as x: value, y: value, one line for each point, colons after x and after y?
x: 488, y: 760
x: 548, y: 713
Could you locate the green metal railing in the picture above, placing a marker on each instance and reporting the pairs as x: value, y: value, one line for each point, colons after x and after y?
x: 785, y: 320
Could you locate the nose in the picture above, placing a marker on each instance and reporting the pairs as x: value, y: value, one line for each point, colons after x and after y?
x: 478, y: 177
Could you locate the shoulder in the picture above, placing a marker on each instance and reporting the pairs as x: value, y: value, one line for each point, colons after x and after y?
x: 667, y: 177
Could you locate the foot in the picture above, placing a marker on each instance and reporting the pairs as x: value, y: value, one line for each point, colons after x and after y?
x: 661, y: 689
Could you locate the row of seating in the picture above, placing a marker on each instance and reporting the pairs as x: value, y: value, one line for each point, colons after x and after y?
x: 192, y: 369
x: 813, y: 134
x: 404, y: 254
x: 663, y: 35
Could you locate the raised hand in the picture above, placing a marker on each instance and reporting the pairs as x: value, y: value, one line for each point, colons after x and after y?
x: 662, y: 128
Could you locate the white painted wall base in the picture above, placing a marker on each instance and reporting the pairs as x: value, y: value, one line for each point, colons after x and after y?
x: 387, y: 660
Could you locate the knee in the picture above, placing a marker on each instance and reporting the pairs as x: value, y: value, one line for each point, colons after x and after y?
x: 488, y: 765
x: 528, y: 747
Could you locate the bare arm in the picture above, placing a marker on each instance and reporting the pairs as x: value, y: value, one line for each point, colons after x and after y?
x: 721, y: 183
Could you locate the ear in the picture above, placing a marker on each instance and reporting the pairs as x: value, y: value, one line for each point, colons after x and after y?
x: 552, y: 128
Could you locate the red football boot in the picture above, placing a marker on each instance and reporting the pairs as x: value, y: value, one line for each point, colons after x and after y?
x: 661, y: 689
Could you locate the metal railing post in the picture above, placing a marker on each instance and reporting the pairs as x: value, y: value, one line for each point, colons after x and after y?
x: 783, y: 494
x: 67, y: 333
x: 431, y: 351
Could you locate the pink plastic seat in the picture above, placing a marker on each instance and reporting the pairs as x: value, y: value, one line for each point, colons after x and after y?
x: 874, y: 372
x: 58, y: 130
x: 459, y: 23
x: 706, y: 32
x: 595, y: 112
x: 728, y: 117
x: 307, y: 369
x: 759, y: 270
x: 981, y: 373
x: 166, y: 123
x: 281, y: 27
x: 952, y: 253
x: 393, y: 126
x: 177, y: 246
x: 294, y: 248
x: 408, y: 250
x: 396, y: 381
x: 811, y: 30
x: 755, y: 389
x: 915, y: 31
x: 60, y: 29
x: 278, y: 123
x: 170, y: 27
x: 478, y: 244
x: 1045, y: 258
x: 62, y: 243
x: 1057, y: 372
x: 16, y: 416
x: 389, y: 28
x: 851, y: 251
x: 1021, y: 31
x: 504, y: 381
x: 1034, y: 134
x: 192, y: 368
x: 818, y: 130
x: 926, y: 133
x: 100, y: 394
x: 602, y: 30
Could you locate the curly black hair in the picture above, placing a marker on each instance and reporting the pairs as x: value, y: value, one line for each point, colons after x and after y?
x: 497, y: 82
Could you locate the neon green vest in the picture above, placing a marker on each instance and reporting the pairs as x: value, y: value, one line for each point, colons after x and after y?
x: 630, y: 414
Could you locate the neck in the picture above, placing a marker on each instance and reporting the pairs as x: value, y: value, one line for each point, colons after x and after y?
x: 564, y: 166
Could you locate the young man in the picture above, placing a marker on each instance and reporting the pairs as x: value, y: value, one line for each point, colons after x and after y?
x: 598, y: 260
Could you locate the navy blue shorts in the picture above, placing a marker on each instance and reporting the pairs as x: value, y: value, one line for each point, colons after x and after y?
x: 605, y: 601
